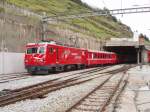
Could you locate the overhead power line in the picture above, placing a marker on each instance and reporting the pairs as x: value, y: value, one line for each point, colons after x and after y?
x: 90, y: 14
x: 99, y: 13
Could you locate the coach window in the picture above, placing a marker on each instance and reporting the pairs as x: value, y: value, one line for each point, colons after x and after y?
x: 94, y: 55
x: 101, y: 56
x: 110, y: 56
x: 107, y: 56
x: 104, y: 56
x: 51, y: 50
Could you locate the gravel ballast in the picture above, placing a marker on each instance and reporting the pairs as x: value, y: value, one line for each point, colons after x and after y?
x: 37, y: 79
x: 57, y: 101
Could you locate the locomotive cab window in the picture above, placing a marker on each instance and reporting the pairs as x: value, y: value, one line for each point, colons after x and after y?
x: 32, y: 50
x: 41, y: 50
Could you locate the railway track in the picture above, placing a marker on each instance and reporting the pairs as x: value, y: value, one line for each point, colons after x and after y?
x: 98, y: 99
x: 12, y: 77
x: 39, y: 90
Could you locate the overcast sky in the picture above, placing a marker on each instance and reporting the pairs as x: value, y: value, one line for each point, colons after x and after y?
x: 138, y: 22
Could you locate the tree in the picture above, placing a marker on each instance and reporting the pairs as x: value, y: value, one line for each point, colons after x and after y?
x: 146, y: 38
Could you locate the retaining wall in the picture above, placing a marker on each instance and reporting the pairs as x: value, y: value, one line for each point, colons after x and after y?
x: 11, y: 63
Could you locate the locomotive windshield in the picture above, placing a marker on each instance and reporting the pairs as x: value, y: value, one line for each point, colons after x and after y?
x: 32, y: 50
x: 40, y: 50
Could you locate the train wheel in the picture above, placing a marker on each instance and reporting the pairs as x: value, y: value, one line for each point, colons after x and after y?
x: 67, y: 68
x: 53, y: 70
x: 79, y: 66
x: 33, y: 72
x: 74, y: 67
x: 83, y: 67
x: 59, y: 68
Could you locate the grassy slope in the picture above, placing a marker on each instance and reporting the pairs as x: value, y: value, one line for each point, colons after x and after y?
x: 100, y: 27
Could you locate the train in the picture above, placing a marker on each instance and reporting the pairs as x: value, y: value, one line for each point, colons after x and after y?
x: 49, y: 56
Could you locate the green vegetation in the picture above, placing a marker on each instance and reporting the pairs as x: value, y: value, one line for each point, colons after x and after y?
x: 99, y: 27
x: 51, y: 7
x: 2, y: 9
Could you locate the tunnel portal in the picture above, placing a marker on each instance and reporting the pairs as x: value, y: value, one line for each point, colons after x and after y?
x: 126, y: 54
x: 127, y: 51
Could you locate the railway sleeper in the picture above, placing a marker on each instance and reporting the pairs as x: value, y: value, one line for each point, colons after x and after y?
x: 5, y: 92
x: 86, y: 109
x: 40, y: 96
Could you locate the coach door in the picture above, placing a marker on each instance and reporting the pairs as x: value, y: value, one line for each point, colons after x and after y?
x: 53, y: 55
x: 57, y: 56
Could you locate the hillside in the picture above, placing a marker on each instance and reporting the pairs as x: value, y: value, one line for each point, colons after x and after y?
x: 102, y: 27
x: 97, y: 26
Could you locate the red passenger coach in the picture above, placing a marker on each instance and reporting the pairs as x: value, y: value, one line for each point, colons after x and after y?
x: 48, y: 56
x: 101, y: 58
x: 148, y: 55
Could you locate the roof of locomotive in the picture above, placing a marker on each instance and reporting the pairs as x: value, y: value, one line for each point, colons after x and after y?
x: 52, y: 43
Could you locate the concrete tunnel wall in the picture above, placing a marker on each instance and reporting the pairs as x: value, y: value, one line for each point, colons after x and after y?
x: 137, y: 55
x: 11, y: 62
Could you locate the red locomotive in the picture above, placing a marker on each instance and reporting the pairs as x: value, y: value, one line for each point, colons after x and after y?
x: 49, y: 56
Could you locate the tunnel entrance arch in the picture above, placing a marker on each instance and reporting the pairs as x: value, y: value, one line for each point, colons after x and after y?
x: 127, y: 51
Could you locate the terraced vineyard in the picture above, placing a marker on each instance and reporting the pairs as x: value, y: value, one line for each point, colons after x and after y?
x: 99, y: 27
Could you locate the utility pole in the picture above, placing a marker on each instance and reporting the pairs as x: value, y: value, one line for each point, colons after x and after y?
x: 141, y: 48
x: 3, y: 62
x: 44, y: 23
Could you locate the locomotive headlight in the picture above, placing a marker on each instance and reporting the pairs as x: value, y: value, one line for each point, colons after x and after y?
x: 26, y: 61
x: 42, y: 60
